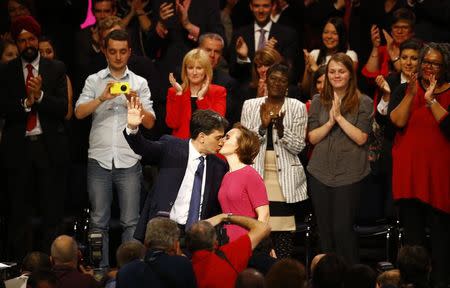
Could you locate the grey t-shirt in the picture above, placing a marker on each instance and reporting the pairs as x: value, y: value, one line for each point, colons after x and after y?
x: 337, y: 160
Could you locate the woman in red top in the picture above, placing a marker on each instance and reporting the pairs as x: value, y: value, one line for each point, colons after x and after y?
x: 196, y: 92
x: 384, y: 59
x: 421, y: 156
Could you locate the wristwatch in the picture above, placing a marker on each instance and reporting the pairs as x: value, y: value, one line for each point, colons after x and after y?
x: 431, y: 102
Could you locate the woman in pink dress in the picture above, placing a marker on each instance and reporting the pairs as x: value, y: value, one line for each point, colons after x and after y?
x: 242, y: 191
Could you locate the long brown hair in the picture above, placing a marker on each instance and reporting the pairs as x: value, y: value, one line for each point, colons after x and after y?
x: 267, y: 57
x: 350, y: 102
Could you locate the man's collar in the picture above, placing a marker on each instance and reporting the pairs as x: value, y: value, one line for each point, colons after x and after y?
x: 193, y: 153
x: 105, y: 73
x: 266, y: 27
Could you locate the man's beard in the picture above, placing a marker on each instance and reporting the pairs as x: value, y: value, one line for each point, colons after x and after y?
x: 29, y: 54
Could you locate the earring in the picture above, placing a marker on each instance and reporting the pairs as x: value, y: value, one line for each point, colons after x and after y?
x: 287, y: 90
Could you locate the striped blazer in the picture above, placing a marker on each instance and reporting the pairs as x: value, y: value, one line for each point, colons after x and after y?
x: 290, y: 171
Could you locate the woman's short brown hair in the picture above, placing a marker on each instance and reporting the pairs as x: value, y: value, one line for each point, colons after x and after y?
x: 248, y: 144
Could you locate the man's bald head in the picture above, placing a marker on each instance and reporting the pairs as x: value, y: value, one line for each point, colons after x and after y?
x: 64, y: 250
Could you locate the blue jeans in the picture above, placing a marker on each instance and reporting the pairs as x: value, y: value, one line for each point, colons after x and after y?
x: 127, y: 182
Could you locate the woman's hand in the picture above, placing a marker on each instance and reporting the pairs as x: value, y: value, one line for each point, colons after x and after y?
x: 311, y: 64
x: 134, y: 116
x: 201, y: 93
x: 175, y: 84
x: 383, y: 84
x: 375, y: 36
x: 278, y: 122
x: 392, y: 49
x: 336, y: 107
x: 412, y: 85
x: 262, y: 88
x: 264, y: 113
x: 429, y: 97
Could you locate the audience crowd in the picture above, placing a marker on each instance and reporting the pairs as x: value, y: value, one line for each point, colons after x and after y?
x: 217, y: 126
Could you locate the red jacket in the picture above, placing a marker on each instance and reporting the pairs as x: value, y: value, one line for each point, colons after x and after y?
x: 178, y: 114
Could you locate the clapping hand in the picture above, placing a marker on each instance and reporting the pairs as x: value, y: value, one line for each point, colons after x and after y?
x: 383, y: 84
x: 375, y: 36
x: 175, y: 84
x: 132, y: 94
x: 271, y: 43
x: 134, y: 116
x: 393, y: 50
x: 241, y: 48
x: 412, y: 85
x: 264, y: 113
x: 201, y: 93
x: 278, y: 122
x: 34, y: 87
x: 429, y: 97
x: 311, y: 64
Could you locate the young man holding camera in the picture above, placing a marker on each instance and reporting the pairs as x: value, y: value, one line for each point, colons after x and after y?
x: 111, y: 161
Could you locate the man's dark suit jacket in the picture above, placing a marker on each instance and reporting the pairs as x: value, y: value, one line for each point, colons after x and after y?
x: 157, y: 270
x: 51, y: 111
x: 171, y: 154
x: 287, y: 46
x: 222, y: 78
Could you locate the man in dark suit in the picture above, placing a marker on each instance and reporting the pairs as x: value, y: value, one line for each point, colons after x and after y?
x: 163, y: 264
x: 179, y: 163
x: 34, y: 141
x: 263, y: 32
x: 213, y: 44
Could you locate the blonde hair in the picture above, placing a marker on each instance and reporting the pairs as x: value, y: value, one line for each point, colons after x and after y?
x: 195, y: 55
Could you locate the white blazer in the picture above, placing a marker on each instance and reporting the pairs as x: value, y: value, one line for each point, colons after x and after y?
x: 290, y: 171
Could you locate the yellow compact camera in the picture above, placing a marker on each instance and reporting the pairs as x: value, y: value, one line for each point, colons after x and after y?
x: 120, y: 88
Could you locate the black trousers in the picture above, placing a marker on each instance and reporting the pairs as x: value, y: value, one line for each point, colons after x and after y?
x: 415, y: 217
x: 335, y: 210
x: 35, y: 188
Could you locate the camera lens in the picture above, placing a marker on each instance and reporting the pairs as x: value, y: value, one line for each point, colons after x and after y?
x: 123, y: 88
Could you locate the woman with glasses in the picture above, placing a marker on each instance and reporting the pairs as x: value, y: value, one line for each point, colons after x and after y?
x: 280, y: 122
x: 385, y: 58
x: 421, y: 155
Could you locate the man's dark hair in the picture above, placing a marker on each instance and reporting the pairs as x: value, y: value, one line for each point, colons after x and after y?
x: 201, y: 236
x: 360, y: 276
x: 118, y: 35
x: 329, y: 272
x: 249, y: 278
x: 206, y: 121
x: 414, y: 265
x: 286, y: 273
x: 36, y: 260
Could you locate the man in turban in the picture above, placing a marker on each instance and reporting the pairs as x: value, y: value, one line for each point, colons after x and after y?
x: 34, y: 143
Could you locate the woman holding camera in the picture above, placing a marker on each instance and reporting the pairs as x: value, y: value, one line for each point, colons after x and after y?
x: 195, y: 92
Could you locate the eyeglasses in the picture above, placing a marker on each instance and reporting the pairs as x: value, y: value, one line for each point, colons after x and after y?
x: 401, y: 27
x: 433, y: 65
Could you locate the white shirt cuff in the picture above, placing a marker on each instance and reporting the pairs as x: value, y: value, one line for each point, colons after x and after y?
x: 131, y: 131
x: 40, y: 97
x: 382, y: 107
x: 240, y: 61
